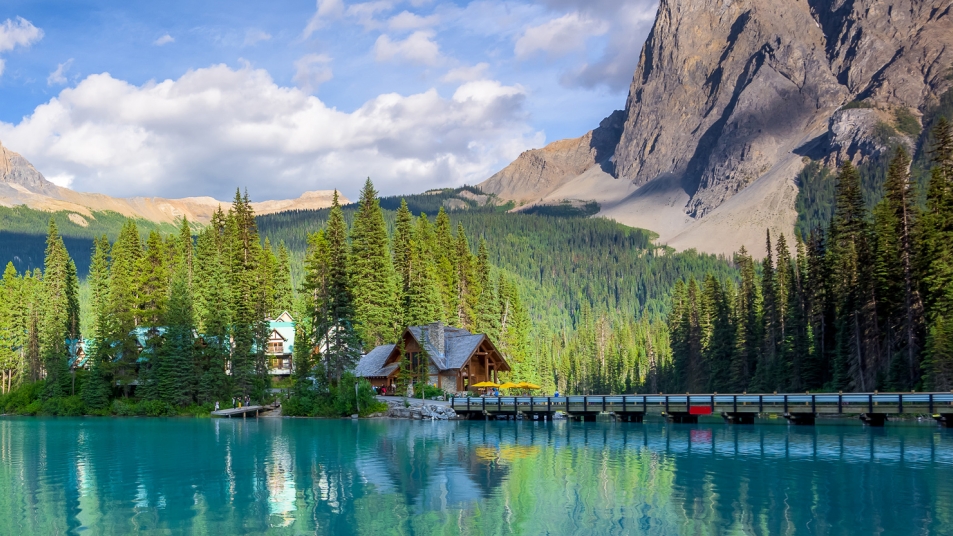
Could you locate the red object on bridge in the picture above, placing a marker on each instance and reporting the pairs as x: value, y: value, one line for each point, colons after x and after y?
x: 699, y: 410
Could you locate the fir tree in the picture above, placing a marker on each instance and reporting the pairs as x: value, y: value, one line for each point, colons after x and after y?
x: 373, y: 282
x: 897, y: 286
x: 96, y: 390
x: 329, y: 285
x: 749, y: 325
x: 60, y: 320
x: 283, y: 291
x: 175, y: 376
x: 857, y: 359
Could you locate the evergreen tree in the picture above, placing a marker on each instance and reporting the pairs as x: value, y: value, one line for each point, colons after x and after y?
x: 898, y: 294
x: 60, y: 320
x: 468, y: 288
x: 423, y: 291
x: 373, y: 282
x: 123, y: 305
x: 175, y: 377
x: 444, y: 263
x: 328, y: 284
x: 96, y: 390
x: 719, y: 339
x: 283, y: 291
x: 11, y: 330
x: 153, y: 282
x: 857, y: 358
x: 765, y: 377
x: 749, y: 322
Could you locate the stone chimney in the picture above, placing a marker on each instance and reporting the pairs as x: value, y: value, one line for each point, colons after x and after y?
x: 436, y: 337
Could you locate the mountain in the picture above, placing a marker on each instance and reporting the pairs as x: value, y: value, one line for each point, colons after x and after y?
x: 728, y: 103
x: 22, y: 184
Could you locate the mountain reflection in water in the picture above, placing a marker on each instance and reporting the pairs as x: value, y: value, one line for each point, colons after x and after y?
x: 293, y: 476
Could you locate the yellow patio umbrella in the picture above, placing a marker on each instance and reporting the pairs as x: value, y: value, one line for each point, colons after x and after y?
x: 527, y: 385
x: 485, y: 384
x: 510, y: 385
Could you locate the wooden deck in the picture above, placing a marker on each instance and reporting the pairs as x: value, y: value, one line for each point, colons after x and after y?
x: 243, y: 412
x: 872, y: 408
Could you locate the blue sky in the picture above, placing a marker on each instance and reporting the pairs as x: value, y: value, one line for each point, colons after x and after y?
x: 182, y: 98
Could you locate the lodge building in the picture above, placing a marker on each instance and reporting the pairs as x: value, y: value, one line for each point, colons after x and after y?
x: 457, y: 359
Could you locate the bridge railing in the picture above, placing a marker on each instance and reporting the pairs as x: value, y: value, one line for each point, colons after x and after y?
x: 587, y: 403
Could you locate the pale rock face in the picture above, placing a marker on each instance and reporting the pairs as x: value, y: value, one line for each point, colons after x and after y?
x: 22, y: 184
x: 730, y: 94
x: 537, y: 172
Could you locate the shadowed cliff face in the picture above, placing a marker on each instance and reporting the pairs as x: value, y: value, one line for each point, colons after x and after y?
x: 729, y: 93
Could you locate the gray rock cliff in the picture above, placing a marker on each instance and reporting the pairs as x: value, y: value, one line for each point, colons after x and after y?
x: 730, y: 93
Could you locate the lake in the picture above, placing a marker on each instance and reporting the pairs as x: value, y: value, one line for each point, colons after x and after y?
x: 302, y: 476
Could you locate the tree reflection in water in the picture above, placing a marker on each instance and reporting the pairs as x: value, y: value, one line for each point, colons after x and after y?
x: 291, y: 476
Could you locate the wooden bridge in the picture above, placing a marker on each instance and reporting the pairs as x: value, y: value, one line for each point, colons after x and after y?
x: 872, y: 408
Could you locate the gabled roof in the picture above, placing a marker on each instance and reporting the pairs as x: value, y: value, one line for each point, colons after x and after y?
x: 370, y: 365
x: 459, y: 345
x: 460, y: 348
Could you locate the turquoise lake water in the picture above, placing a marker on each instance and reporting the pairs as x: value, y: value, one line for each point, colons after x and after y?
x: 297, y: 476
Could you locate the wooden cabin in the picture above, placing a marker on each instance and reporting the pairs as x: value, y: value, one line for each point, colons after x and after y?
x: 458, y: 359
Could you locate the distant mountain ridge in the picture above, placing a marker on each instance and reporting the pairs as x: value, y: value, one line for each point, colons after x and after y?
x: 22, y: 184
x: 728, y: 100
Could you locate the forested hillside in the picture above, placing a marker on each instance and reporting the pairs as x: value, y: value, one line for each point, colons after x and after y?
x: 23, y: 234
x: 575, y: 275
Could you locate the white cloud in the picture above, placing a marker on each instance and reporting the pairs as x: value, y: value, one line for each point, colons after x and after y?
x: 14, y: 33
x: 255, y: 36
x: 19, y: 32
x: 559, y: 36
x: 164, y: 40
x: 311, y: 71
x: 63, y: 180
x: 217, y: 128
x: 326, y: 10
x: 365, y: 13
x: 466, y: 74
x: 418, y: 48
x: 406, y: 20
x: 59, y: 75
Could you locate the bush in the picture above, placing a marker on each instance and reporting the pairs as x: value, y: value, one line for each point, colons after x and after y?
x: 856, y: 104
x: 906, y: 122
x: 425, y: 390
x: 17, y: 400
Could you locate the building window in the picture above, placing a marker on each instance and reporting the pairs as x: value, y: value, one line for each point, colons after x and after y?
x: 276, y: 347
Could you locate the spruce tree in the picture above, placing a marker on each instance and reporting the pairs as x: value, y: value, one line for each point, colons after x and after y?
x: 175, y: 377
x: 898, y: 294
x: 60, y: 319
x: 283, y: 291
x: 11, y: 363
x: 96, y: 390
x: 467, y: 285
x: 373, y: 282
x: 445, y: 265
x: 857, y: 359
x: 329, y: 285
x: 123, y: 304
x: 749, y: 325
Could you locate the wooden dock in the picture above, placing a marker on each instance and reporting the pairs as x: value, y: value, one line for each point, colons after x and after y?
x: 872, y: 408
x: 244, y: 412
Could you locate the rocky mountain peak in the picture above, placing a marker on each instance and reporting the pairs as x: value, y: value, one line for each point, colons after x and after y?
x: 17, y: 171
x: 729, y: 95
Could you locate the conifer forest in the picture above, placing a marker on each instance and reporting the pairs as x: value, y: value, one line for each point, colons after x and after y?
x: 176, y: 320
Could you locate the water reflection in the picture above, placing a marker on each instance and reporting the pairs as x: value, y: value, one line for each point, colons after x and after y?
x: 119, y: 476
